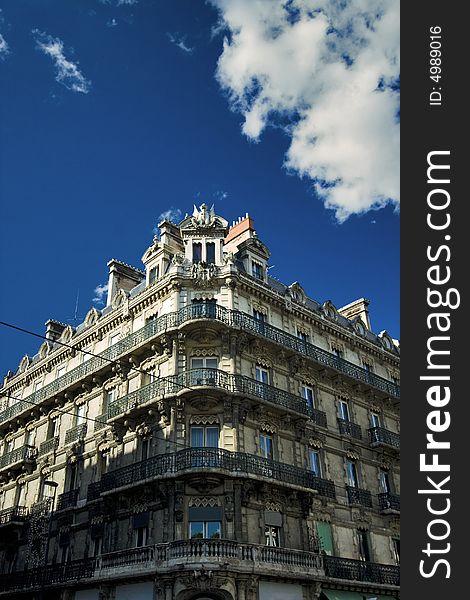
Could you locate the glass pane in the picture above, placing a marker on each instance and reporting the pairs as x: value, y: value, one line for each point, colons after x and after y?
x: 212, y: 363
x: 374, y: 419
x: 315, y: 462
x: 210, y: 252
x: 197, y: 363
x: 214, y: 529
x: 212, y: 437
x: 196, y: 529
x: 197, y: 437
x: 197, y: 252
x: 344, y: 411
x: 352, y: 475
x: 325, y: 537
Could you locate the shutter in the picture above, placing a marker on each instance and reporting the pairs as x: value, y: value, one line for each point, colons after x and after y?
x: 325, y: 536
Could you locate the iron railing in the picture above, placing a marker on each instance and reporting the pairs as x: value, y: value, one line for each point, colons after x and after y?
x: 349, y: 428
x: 40, y: 577
x: 232, y: 318
x: 19, y: 455
x: 358, y: 570
x: 76, y: 434
x: 237, y: 463
x: 49, y: 446
x: 14, y: 514
x: 359, y: 496
x: 389, y: 501
x: 214, y: 378
x: 68, y: 499
x: 379, y: 436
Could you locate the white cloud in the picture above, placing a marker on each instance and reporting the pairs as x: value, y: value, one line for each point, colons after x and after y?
x: 68, y: 73
x: 100, y: 292
x: 172, y: 214
x: 4, y: 47
x: 327, y: 74
x: 180, y: 42
x: 120, y: 2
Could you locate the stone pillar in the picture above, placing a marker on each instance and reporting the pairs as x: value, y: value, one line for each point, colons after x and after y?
x: 238, y: 526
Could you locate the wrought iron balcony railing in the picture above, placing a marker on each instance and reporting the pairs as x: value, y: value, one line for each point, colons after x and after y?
x: 379, y: 436
x: 358, y: 570
x: 40, y: 577
x: 389, y: 502
x: 15, y: 514
x: 359, y: 496
x: 76, y: 434
x: 49, y: 446
x: 67, y: 500
x: 19, y: 455
x: 349, y: 428
x: 234, y: 463
x: 232, y: 318
x: 214, y: 378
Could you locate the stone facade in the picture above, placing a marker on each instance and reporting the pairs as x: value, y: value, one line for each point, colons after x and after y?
x: 225, y: 437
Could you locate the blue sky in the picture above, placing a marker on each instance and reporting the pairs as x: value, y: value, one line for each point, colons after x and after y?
x: 113, y: 112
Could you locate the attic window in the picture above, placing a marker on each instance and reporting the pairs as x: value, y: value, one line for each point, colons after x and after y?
x: 153, y: 274
x: 210, y: 253
x: 257, y: 270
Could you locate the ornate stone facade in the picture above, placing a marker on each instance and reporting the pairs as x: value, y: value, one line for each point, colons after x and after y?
x: 211, y: 434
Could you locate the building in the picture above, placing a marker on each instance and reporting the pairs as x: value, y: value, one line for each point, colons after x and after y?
x: 210, y: 434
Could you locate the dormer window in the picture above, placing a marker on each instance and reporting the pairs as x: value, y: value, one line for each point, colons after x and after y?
x: 153, y: 274
x: 257, y: 270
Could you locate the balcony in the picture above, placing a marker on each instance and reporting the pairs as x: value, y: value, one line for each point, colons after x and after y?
x: 67, y: 500
x: 378, y: 436
x: 13, y: 516
x: 359, y: 496
x: 389, y: 503
x: 49, y: 446
x: 235, y: 464
x: 214, y: 378
x: 76, y: 434
x: 19, y: 459
x: 349, y: 428
x: 231, y: 318
x: 358, y: 570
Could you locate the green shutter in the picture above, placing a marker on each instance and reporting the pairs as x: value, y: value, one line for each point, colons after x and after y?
x: 325, y: 536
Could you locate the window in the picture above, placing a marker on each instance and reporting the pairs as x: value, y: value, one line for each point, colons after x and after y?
x: 29, y: 437
x: 396, y: 550
x: 205, y: 362
x: 308, y: 395
x: 153, y: 274
x: 272, y: 535
x: 140, y: 536
x: 52, y: 428
x: 144, y: 449
x: 257, y: 270
x: 303, y: 336
x: 314, y: 462
x: 97, y: 545
x: 374, y: 420
x: 86, y: 355
x: 80, y: 414
x: 353, y: 480
x: 344, y: 410
x: 363, y: 545
x: 259, y: 316
x: 337, y: 352
x: 108, y: 398
x: 208, y: 530
x: 45, y: 490
x: 210, y: 253
x: 266, y: 445
x: 9, y: 446
x: 72, y: 477
x: 197, y: 252
x: 262, y: 374
x: 61, y: 371
x: 205, y: 437
x: 384, y: 481
x: 367, y: 367
x: 65, y: 554
x: 37, y: 386
x: 20, y: 495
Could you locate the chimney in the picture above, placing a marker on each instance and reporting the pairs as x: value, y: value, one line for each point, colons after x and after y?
x: 54, y: 330
x: 358, y: 308
x: 243, y: 225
